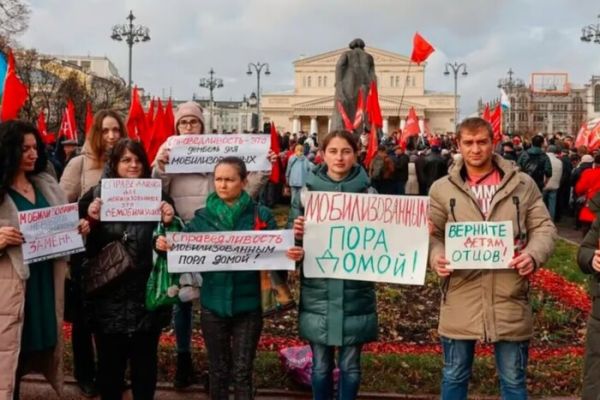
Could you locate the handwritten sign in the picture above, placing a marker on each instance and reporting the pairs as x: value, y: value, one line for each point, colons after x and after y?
x: 131, y: 200
x: 229, y: 251
x: 50, y: 232
x: 200, y: 153
x: 479, y: 245
x: 366, y: 237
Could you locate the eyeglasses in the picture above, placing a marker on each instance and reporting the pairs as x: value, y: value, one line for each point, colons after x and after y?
x: 192, y: 122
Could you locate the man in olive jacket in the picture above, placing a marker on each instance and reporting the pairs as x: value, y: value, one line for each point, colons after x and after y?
x: 588, y: 259
x: 489, y: 305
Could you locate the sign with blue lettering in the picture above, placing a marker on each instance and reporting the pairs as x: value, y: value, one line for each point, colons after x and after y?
x: 366, y: 237
x: 479, y: 245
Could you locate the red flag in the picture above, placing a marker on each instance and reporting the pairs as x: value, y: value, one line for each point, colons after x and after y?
x: 496, y: 121
x: 411, y: 128
x: 428, y: 134
x: 150, y: 115
x: 136, y: 120
x: 486, y: 113
x: 373, y: 109
x: 68, y: 130
x: 582, y: 136
x: 89, y: 117
x: 360, y: 109
x: 15, y: 92
x: 41, y: 126
x: 276, y: 167
x: 421, y: 49
x: 159, y: 132
x: 371, y: 147
x: 170, y: 118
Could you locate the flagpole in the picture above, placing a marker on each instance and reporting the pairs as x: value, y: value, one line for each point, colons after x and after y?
x: 403, y: 91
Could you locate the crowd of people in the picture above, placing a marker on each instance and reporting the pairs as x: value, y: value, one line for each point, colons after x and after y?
x: 468, y: 177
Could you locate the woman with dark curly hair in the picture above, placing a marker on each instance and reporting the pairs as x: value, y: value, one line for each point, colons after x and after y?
x: 31, y: 296
x: 125, y: 331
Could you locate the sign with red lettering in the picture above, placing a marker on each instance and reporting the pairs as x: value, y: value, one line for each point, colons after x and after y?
x: 229, y: 251
x: 50, y: 232
x: 479, y: 245
x: 200, y: 153
x: 131, y: 199
x: 367, y: 237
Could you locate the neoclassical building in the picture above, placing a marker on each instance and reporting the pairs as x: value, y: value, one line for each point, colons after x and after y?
x: 310, y: 105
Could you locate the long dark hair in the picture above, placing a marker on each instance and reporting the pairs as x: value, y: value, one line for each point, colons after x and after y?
x: 12, y: 137
x: 117, y: 152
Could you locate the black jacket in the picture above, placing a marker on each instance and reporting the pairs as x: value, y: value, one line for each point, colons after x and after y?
x: 435, y: 167
x: 120, y: 306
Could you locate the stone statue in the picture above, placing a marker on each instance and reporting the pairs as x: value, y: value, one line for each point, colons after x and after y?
x: 355, y: 69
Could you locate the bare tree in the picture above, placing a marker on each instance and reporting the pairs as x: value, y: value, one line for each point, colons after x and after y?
x: 14, y: 18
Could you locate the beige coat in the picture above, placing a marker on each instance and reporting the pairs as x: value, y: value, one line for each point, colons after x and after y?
x: 490, y: 305
x: 189, y: 191
x: 13, y: 277
x: 81, y: 174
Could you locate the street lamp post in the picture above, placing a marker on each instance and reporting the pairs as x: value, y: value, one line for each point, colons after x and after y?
x: 591, y: 33
x: 132, y: 34
x: 258, y: 68
x: 211, y: 84
x: 510, y: 84
x: 456, y: 67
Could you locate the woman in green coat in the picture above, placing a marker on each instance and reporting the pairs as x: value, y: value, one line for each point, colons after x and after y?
x: 231, y: 315
x: 336, y: 312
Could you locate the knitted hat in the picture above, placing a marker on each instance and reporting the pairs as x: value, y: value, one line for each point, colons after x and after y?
x: 189, y: 109
x: 587, y: 158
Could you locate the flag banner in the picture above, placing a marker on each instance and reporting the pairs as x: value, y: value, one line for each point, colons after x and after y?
x: 366, y: 237
x: 421, y: 49
x: 50, y: 232
x: 131, y: 199
x: 201, y: 153
x: 479, y: 245
x: 229, y: 251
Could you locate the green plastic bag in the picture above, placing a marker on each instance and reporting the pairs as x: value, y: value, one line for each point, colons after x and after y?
x: 162, y: 288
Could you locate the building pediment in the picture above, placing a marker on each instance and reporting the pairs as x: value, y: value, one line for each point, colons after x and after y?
x: 331, y: 58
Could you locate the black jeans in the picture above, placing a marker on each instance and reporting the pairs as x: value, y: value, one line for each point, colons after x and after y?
x: 231, y: 346
x: 114, y: 350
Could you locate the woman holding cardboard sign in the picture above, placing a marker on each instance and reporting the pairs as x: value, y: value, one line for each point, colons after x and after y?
x: 124, y: 329
x: 31, y: 304
x: 231, y: 301
x: 336, y: 312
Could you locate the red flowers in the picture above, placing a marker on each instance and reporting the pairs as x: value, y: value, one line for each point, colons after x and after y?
x: 562, y: 290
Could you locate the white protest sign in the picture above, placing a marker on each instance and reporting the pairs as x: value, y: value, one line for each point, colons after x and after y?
x: 131, y: 199
x: 229, y: 251
x: 366, y: 237
x: 50, y: 232
x: 200, y: 153
x: 479, y: 245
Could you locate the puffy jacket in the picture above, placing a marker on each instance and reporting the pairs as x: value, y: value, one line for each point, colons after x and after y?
x: 337, y: 312
x: 297, y: 170
x: 189, y: 191
x: 13, y: 283
x: 229, y: 293
x: 120, y: 306
x: 490, y: 305
x: 536, y: 156
x: 588, y: 185
x: 435, y: 168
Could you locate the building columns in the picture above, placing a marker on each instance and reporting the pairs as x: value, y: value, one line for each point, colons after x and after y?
x: 386, y: 125
x: 402, y: 123
x: 313, y: 125
x: 328, y: 124
x: 296, y: 125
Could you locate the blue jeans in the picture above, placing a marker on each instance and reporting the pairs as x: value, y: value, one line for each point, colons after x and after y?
x: 182, y: 316
x: 550, y: 201
x: 322, y: 371
x: 511, y: 364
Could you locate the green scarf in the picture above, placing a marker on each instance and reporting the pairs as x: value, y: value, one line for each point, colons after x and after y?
x: 225, y: 214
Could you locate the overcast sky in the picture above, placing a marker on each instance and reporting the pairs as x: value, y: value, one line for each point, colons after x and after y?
x: 191, y: 36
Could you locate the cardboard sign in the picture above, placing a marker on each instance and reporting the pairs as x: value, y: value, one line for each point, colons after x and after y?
x: 131, y: 199
x: 366, y: 237
x: 200, y: 153
x: 50, y: 232
x: 479, y: 245
x: 229, y: 251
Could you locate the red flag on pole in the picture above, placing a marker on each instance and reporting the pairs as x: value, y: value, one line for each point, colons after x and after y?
x: 421, y: 49
x: 68, y: 130
x: 275, y: 148
x: 150, y: 115
x: 496, y: 121
x: 486, y: 113
x: 371, y: 147
x: 89, y: 117
x: 15, y: 92
x: 169, y: 117
x: 373, y: 109
x: 136, y: 120
x: 159, y: 132
x: 411, y: 128
x: 41, y: 126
